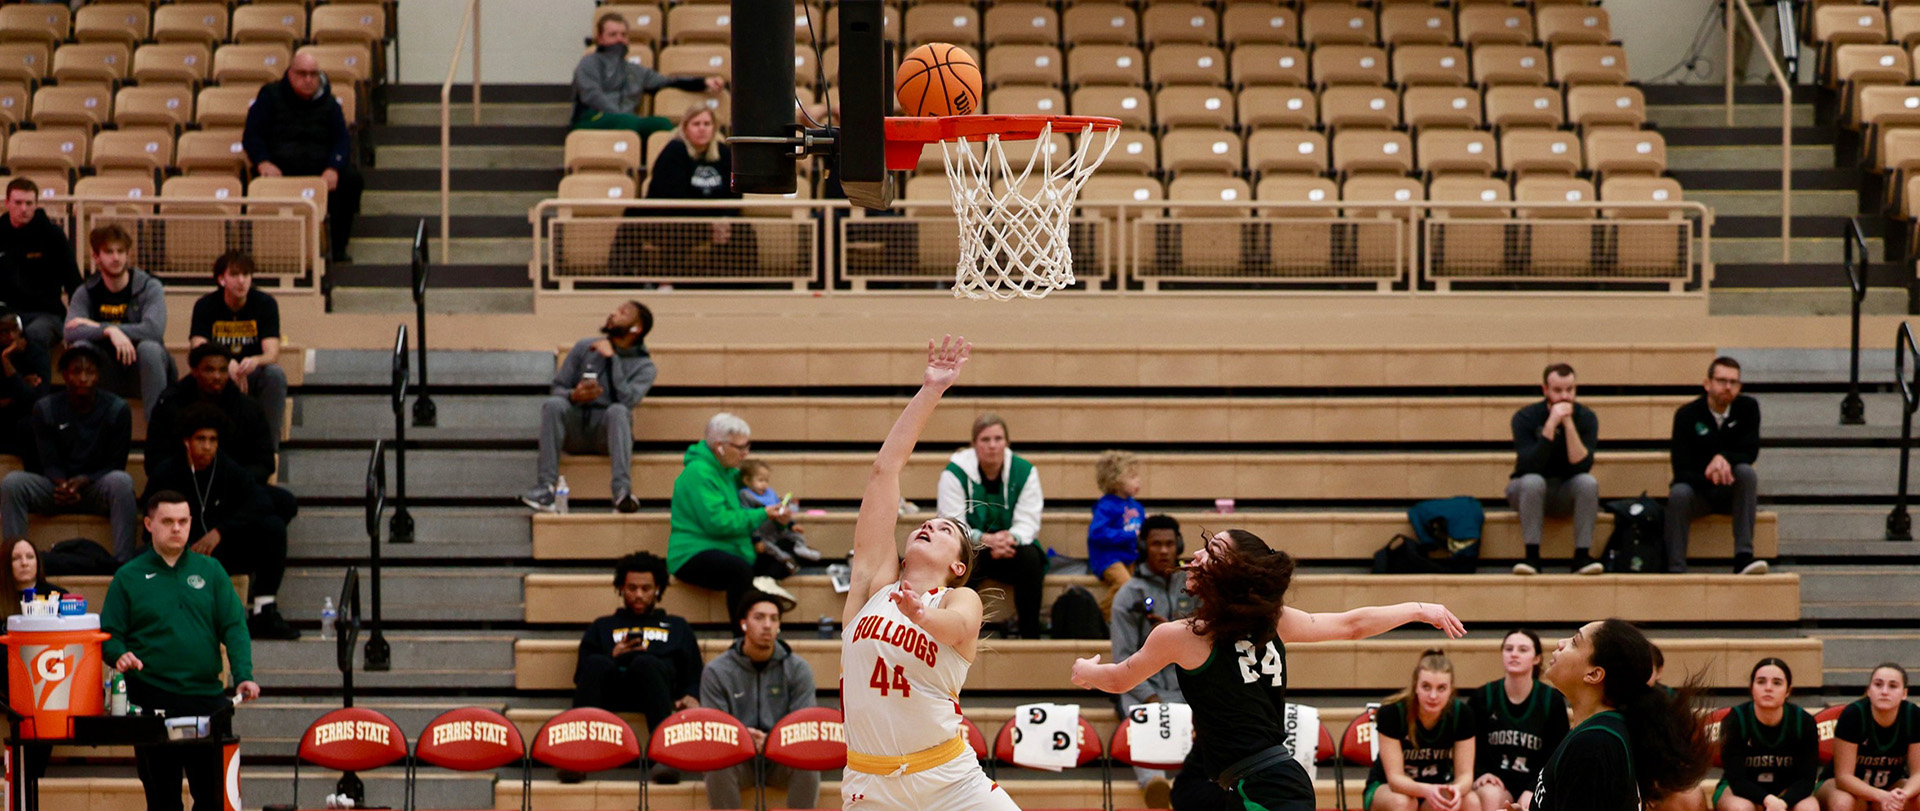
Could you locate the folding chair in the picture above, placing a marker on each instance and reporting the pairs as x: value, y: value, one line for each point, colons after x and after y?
x: 350, y: 739
x: 812, y: 739
x: 585, y: 739
x: 701, y: 739
x: 1823, y: 723
x: 1356, y: 749
x: 1712, y: 727
x: 1120, y: 748
x: 469, y: 739
x: 1088, y: 743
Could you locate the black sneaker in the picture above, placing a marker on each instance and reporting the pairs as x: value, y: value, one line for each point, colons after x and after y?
x: 539, y: 499
x: 571, y: 777
x: 268, y: 624
x: 664, y: 775
x: 1746, y: 564
x: 626, y: 504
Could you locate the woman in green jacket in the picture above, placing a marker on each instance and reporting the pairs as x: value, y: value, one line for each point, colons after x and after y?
x: 710, y: 542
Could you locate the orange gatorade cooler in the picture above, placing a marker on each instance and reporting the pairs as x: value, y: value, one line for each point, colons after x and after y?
x: 54, y: 671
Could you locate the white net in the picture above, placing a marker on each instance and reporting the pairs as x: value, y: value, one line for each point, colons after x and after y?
x: 1015, y: 237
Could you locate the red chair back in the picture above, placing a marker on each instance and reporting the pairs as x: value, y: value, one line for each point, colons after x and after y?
x: 353, y: 739
x: 1089, y: 744
x: 975, y: 739
x: 1356, y: 744
x: 1714, y: 733
x: 1121, y: 748
x: 470, y: 739
x: 1324, y: 752
x: 586, y: 739
x: 813, y: 739
x: 701, y: 740
x: 1823, y: 723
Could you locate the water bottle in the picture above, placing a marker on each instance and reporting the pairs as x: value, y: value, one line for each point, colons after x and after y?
x: 327, y: 616
x: 560, y: 492
x: 826, y: 627
x: 118, y: 706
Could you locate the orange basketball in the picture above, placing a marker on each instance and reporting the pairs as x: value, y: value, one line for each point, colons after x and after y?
x: 938, y: 79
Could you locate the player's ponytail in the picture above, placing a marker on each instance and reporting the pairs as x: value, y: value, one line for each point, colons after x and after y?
x: 1670, y: 749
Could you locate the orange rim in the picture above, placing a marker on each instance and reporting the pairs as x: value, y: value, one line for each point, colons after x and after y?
x: 906, y: 135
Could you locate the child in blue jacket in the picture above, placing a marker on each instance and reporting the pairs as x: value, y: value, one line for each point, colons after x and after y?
x: 1113, y: 535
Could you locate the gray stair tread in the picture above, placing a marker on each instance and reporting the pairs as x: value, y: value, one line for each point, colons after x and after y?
x: 437, y: 593
x: 374, y: 367
x: 455, y: 534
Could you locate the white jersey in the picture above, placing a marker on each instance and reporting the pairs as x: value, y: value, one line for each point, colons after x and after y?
x: 899, y: 688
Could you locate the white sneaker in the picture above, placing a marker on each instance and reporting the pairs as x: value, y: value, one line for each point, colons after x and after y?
x: 1524, y: 568
x: 1592, y: 567
x: 770, y: 586
x: 1755, y: 567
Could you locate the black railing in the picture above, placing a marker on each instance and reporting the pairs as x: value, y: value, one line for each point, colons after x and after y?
x: 1852, y: 410
x: 346, y: 627
x: 425, y: 413
x: 400, y: 530
x: 379, y: 657
x: 1899, y: 523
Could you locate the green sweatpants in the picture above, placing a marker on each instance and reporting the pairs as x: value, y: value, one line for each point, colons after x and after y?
x: 645, y: 125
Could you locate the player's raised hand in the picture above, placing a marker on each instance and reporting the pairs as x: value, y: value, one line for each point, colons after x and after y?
x: 945, y: 359
x: 1438, y: 616
x: 907, y: 601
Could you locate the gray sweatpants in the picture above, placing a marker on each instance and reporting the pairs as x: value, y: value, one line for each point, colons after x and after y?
x: 23, y: 493
x: 1535, y: 497
x: 723, y: 786
x: 268, y: 387
x: 1740, y: 500
x: 609, y: 430
x: 150, y: 373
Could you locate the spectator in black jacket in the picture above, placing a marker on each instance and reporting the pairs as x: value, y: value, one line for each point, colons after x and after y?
x: 246, y: 438
x: 639, y: 658
x: 234, y: 517
x: 296, y: 128
x: 1716, y: 438
x: 24, y: 377
x: 696, y: 165
x: 1553, y: 443
x: 83, y: 435
x: 37, y: 267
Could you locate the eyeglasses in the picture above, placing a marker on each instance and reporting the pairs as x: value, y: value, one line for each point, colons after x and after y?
x: 743, y: 445
x: 305, y: 74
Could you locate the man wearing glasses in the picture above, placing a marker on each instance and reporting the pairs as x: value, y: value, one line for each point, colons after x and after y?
x: 589, y: 408
x: 1716, y: 439
x: 710, y: 544
x: 296, y: 128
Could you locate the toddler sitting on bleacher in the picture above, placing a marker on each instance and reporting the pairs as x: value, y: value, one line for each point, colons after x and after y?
x: 783, y: 542
x: 1113, y: 536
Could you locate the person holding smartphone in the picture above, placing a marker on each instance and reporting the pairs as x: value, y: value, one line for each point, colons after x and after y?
x: 590, y: 404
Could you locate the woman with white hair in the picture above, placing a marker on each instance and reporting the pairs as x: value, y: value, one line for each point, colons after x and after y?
x: 710, y: 544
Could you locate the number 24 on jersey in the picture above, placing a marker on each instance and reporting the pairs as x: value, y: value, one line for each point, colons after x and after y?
x: 1267, y: 661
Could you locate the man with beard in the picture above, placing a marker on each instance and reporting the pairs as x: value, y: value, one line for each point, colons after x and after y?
x: 639, y: 658
x: 590, y: 409
x: 36, y: 265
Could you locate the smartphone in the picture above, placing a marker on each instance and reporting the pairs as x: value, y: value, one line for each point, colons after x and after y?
x: 786, y: 500
x: 590, y: 376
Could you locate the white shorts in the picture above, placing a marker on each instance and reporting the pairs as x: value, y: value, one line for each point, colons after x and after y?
x: 956, y: 785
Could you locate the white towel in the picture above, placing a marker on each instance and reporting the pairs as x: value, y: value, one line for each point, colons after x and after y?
x: 1046, y: 736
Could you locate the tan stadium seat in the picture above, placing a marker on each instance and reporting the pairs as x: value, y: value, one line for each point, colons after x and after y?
x: 1467, y: 248
x: 1057, y: 147
x: 1099, y: 24
x: 80, y: 105
x: 1298, y: 248
x: 1338, y: 24
x: 1205, y: 245
x: 1561, y: 25
x: 205, y: 23
x: 255, y: 64
x: 212, y: 151
x: 1903, y: 26
x: 1106, y: 64
x: 696, y: 60
x: 59, y: 148
x: 672, y: 103
x: 889, y: 23
x: 1021, y: 23
x: 1556, y: 249
x: 1129, y: 104
x: 1134, y: 151
x: 1883, y: 105
x: 956, y: 23
x: 1200, y: 150
x: 1590, y: 106
x: 1275, y: 150
x: 585, y: 252
x: 1277, y: 107
x: 1636, y: 189
x: 1349, y: 64
x: 617, y: 150
x: 700, y: 22
x: 124, y: 186
x: 1489, y: 25
x: 1443, y: 152
x: 1430, y: 64
x: 24, y: 62
x: 1188, y: 64
x: 125, y: 23
x: 645, y: 22
x: 224, y: 106
x: 1194, y: 106
x: 1168, y: 22
x: 1510, y: 64
x: 1422, y: 107
x: 1259, y: 24
x: 1856, y: 64
x: 1416, y: 25
x: 1543, y: 151
x: 1646, y: 248
x: 52, y: 182
x: 1268, y: 65
x: 197, y: 233
x: 1366, y: 150
x: 597, y: 186
x: 1637, y: 152
x: 342, y: 62
x: 1589, y: 64
x: 1898, y: 151
x: 15, y: 103
x: 1292, y: 188
x: 364, y: 24
x: 1512, y: 106
x: 104, y: 62
x: 1121, y: 188
x: 1026, y: 100
x: 1024, y: 64
x: 806, y: 72
x: 1359, y: 106
x: 1459, y: 188
x: 1835, y: 24
x: 184, y: 63
x: 203, y: 186
x: 306, y: 188
x: 44, y: 23
x: 285, y: 23
x: 1390, y: 196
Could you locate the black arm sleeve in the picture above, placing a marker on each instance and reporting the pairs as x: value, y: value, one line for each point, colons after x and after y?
x: 1530, y: 450
x: 1587, y: 425
x: 594, y: 642
x: 1806, y: 762
x: 1741, y: 445
x: 1733, y: 761
x: 1685, y: 457
x: 686, y: 661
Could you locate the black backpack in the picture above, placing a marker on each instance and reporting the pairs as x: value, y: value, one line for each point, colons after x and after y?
x: 78, y: 556
x: 1076, y: 615
x: 1638, y: 543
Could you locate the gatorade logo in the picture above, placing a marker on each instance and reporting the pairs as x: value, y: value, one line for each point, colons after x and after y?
x: 48, y: 667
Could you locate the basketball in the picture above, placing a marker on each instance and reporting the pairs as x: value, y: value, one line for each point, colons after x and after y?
x: 938, y: 79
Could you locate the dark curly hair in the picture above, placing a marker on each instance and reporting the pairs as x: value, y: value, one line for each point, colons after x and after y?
x: 1670, y: 748
x: 1240, y: 590
x: 642, y: 562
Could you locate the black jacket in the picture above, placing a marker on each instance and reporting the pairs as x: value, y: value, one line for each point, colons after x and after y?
x: 668, y: 637
x: 222, y: 497
x: 1697, y: 438
x: 677, y: 175
x: 17, y: 395
x: 90, y: 444
x: 36, y: 266
x: 247, y: 439
x: 1533, y: 453
x: 301, y: 136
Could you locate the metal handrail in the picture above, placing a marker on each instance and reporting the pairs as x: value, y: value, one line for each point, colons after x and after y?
x: 1853, y: 411
x: 446, y: 116
x: 379, y: 656
x: 1786, y: 116
x: 1899, y: 523
x: 400, y: 527
x: 425, y: 413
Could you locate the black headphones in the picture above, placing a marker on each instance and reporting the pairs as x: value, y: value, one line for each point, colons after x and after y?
x: 1179, y: 539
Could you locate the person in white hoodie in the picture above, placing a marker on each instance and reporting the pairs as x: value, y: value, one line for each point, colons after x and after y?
x: 998, y: 494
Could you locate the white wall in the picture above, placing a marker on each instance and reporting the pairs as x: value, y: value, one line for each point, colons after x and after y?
x: 522, y: 41
x: 1659, y: 34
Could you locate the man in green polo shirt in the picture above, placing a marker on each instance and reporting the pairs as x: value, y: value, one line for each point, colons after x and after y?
x: 169, y: 610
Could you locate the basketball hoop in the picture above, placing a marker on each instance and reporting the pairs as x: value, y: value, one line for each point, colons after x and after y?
x: 1014, y: 241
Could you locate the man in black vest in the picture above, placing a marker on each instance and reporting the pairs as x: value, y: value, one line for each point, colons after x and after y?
x: 296, y: 128
x: 1716, y: 439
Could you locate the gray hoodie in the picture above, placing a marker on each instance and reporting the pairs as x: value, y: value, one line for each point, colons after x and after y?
x: 759, y: 694
x: 139, y: 309
x: 624, y: 378
x: 1129, y: 626
x: 606, y: 82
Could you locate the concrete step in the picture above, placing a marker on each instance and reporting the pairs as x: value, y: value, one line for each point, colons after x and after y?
x: 1705, y: 157
x: 441, y: 533
x: 1779, y: 365
x: 1747, y: 250
x: 471, y: 157
x: 430, y: 474
x: 1850, y: 655
x: 386, y: 788
x: 1798, y: 416
x: 1824, y: 528
x: 1827, y: 472
x: 1879, y: 585
x: 427, y: 203
x: 479, y: 368
x: 505, y: 250
x: 452, y: 661
x: 1809, y: 202
x: 1681, y: 115
x: 492, y: 114
x: 439, y: 593
x: 1803, y: 301
x: 477, y: 301
x: 460, y: 416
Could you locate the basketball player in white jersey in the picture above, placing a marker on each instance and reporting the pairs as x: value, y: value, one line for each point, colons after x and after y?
x: 911, y: 634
